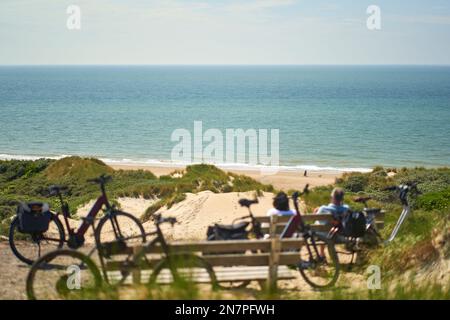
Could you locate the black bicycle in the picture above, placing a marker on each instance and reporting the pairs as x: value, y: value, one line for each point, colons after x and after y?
x: 370, y: 236
x: 238, y: 229
x: 114, y: 225
x: 70, y: 274
x: 319, y: 263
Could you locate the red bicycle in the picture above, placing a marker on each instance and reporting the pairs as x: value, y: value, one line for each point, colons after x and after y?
x: 115, y: 226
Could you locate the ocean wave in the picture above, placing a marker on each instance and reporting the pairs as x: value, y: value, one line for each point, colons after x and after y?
x: 169, y: 163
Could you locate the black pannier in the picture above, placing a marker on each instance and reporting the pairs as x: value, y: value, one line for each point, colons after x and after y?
x: 227, y: 232
x: 354, y: 224
x: 34, y: 217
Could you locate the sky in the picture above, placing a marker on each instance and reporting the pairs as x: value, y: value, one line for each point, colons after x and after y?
x: 224, y: 32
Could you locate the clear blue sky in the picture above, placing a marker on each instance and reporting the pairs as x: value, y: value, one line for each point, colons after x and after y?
x: 224, y: 32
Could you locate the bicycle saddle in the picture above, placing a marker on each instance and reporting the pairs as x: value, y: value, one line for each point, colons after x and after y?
x: 233, y: 227
x: 362, y: 199
x: 55, y: 189
x: 247, y: 203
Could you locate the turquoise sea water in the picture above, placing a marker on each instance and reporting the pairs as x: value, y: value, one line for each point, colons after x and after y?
x: 328, y: 116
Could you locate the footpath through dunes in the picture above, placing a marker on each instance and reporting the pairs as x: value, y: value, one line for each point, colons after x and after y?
x: 198, y: 211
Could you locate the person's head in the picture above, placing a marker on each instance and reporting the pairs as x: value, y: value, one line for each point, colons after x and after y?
x: 337, y: 196
x: 281, y: 202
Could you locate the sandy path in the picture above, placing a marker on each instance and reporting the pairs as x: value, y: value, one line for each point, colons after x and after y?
x: 12, y: 274
x: 202, y: 209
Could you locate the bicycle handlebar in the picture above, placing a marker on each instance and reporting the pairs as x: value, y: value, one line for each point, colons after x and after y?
x: 100, y: 180
x: 56, y: 190
x: 160, y: 220
x: 297, y: 194
x: 404, y: 189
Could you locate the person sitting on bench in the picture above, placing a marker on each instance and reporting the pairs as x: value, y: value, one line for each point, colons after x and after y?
x: 280, y: 206
x: 337, y: 207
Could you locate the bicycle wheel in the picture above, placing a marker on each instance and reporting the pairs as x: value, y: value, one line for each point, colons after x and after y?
x: 184, y: 276
x: 63, y: 274
x: 29, y: 247
x: 319, y: 270
x: 117, y: 230
x: 372, y: 238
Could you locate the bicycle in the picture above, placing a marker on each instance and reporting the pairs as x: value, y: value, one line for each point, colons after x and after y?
x: 55, y: 236
x: 318, y: 270
x: 173, y: 268
x: 371, y: 236
x: 404, y: 190
x: 237, y: 231
x: 238, y: 227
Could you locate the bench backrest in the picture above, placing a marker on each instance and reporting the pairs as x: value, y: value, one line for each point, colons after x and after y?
x: 311, y: 219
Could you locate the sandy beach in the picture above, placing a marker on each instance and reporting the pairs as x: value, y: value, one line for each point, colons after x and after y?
x: 283, y: 180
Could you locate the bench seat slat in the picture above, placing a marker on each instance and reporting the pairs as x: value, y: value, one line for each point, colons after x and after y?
x: 223, y: 275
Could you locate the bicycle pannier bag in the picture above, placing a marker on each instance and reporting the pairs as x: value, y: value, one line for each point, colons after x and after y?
x: 34, y: 217
x: 354, y: 224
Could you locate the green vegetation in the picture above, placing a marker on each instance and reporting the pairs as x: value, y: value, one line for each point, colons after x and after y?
x: 425, y: 235
x: 432, y: 290
x: 422, y: 243
x: 29, y: 180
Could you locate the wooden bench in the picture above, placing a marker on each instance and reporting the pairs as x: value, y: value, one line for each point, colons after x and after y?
x: 263, y: 261
x: 310, y: 219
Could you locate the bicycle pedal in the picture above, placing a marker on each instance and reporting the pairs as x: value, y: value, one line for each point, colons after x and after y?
x: 303, y: 265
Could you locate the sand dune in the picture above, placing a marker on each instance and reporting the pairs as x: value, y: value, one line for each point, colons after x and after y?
x: 200, y: 210
x: 284, y: 180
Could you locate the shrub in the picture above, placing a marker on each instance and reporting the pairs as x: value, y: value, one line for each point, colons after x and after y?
x: 435, y: 200
x: 355, y: 182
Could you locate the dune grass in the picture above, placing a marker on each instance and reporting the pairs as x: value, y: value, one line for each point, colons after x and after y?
x: 29, y: 180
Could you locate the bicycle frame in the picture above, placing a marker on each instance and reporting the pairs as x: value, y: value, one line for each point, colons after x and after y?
x: 405, y: 213
x: 256, y: 226
x: 293, y: 224
x: 297, y: 223
x: 76, y: 238
x: 136, y: 257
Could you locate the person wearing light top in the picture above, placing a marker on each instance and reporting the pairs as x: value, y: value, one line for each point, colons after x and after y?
x: 280, y: 206
x: 337, y: 208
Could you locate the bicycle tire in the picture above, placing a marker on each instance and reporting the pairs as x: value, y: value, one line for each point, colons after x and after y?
x: 141, y: 238
x: 334, y: 268
x: 180, y: 261
x: 15, y: 228
x: 48, y: 258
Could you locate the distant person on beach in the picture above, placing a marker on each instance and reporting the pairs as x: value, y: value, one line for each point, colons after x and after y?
x: 305, y: 174
x: 280, y: 206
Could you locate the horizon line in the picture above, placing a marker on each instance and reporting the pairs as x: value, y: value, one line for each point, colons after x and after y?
x: 223, y: 64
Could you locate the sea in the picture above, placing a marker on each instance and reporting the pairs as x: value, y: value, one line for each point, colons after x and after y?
x: 337, y: 118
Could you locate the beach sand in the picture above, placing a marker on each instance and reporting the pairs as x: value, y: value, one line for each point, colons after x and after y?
x: 283, y: 180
